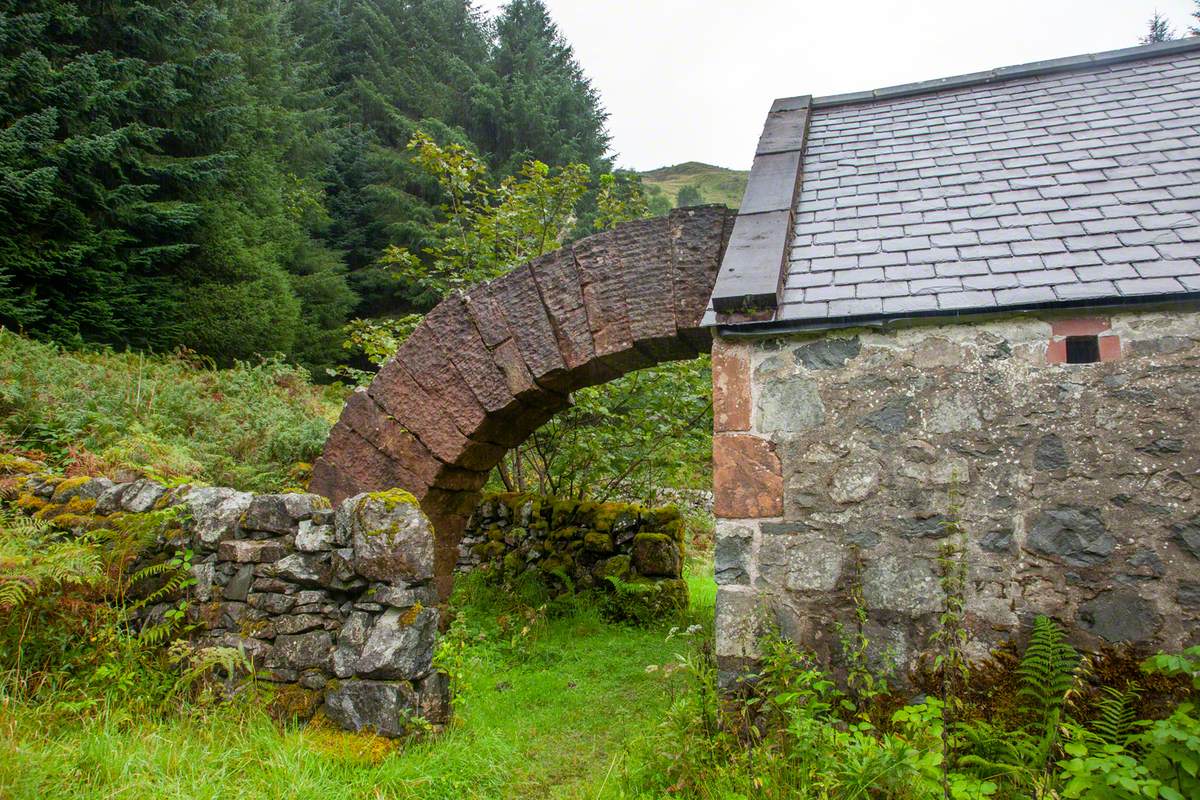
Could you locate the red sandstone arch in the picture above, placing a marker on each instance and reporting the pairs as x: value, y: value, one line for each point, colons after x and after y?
x: 486, y: 368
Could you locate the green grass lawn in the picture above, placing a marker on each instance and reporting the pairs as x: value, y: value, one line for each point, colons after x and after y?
x: 555, y: 712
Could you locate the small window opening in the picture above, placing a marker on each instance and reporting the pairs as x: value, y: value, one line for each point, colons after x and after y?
x: 1083, y: 349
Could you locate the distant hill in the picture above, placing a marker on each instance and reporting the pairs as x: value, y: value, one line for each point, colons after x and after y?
x: 715, y: 184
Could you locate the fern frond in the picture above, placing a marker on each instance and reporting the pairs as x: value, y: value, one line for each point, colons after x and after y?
x: 1117, y: 715
x: 1047, y: 670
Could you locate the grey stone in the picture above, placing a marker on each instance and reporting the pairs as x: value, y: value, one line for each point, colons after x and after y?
x: 863, y: 539
x: 311, y: 538
x: 141, y: 496
x: 1076, y: 535
x: 433, y: 698
x: 392, y: 540
x: 854, y: 483
x: 827, y: 353
x: 1050, y: 454
x: 214, y: 513
x: 903, y: 584
x: 815, y: 565
x: 91, y: 490
x: 1145, y: 557
x: 281, y: 513
x: 789, y: 404
x: 1188, y: 595
x: 402, y: 597
x: 400, y: 644
x: 998, y: 541
x: 1165, y: 446
x: 954, y: 414
x: 1187, y: 535
x: 382, y: 707
x: 203, y: 575
x: 271, y: 602
x: 935, y: 527
x: 304, y: 568
x: 301, y: 651
x: 889, y: 418
x: 732, y: 554
x: 1118, y: 615
x: 239, y: 585
x: 299, y: 623
x: 245, y: 551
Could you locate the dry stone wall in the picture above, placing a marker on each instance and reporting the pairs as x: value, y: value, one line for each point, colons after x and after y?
x: 635, y: 554
x: 337, y: 605
x: 839, y: 459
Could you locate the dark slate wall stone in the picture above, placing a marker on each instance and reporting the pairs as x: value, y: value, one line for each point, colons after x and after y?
x: 1187, y: 535
x: 827, y: 353
x: 890, y: 418
x: 1076, y: 535
x: 1051, y: 454
x: 1119, y: 616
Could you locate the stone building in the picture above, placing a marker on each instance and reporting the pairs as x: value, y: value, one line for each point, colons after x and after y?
x: 964, y: 311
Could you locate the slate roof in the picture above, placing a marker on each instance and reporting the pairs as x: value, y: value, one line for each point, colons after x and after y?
x: 1062, y: 183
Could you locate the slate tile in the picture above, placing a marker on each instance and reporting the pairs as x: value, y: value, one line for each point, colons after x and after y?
x: 1141, y: 286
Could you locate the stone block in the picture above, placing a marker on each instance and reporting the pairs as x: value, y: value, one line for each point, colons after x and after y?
x: 382, y: 707
x: 733, y: 553
x: 903, y: 584
x: 245, y: 551
x: 1077, y: 536
x: 302, y: 651
x: 747, y: 477
x: 1118, y: 615
x: 399, y: 644
x: 657, y: 555
x: 312, y: 538
x: 391, y: 538
x: 310, y: 569
x: 789, y: 404
x: 731, y: 387
x: 215, y: 512
x: 281, y: 513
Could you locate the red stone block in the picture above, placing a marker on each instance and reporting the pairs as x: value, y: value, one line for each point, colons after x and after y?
x: 697, y: 236
x: 412, y: 407
x: 1110, y: 348
x: 731, y: 388
x: 747, y: 477
x: 646, y: 256
x: 428, y: 366
x: 521, y: 304
x: 1080, y: 326
x: 1056, y: 351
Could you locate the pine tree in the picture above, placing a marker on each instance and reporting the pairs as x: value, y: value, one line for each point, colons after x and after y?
x: 1194, y: 30
x: 1159, y: 30
x: 550, y: 110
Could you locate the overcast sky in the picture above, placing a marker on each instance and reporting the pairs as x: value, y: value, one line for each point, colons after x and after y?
x: 693, y: 80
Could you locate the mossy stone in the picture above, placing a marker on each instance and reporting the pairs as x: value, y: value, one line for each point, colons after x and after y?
x: 619, y: 566
x: 657, y: 555
x: 598, y: 542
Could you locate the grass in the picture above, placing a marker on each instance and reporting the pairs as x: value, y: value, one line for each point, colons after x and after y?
x: 555, y: 711
x: 716, y: 184
x: 172, y: 417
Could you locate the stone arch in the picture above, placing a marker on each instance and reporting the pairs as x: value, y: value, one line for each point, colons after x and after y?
x: 486, y: 368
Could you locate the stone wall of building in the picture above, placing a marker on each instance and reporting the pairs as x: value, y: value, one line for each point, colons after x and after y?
x: 633, y: 553
x: 840, y: 459
x: 338, y: 605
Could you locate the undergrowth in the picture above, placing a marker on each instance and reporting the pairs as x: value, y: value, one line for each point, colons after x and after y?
x: 169, y: 417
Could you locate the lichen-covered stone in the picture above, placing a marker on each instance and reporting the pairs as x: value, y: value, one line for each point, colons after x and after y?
x: 245, y: 551
x: 391, y: 538
x: 733, y: 551
x: 301, y: 651
x: 313, y: 538
x: 214, y: 513
x: 400, y: 644
x: 307, y: 569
